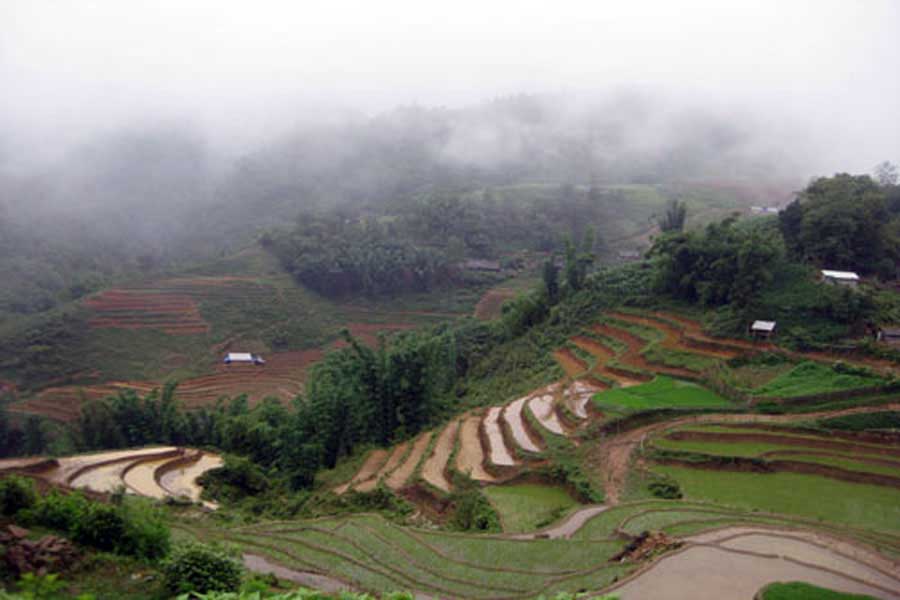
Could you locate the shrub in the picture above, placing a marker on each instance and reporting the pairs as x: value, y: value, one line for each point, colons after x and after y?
x: 58, y: 511
x: 16, y: 493
x: 670, y: 490
x: 146, y: 534
x: 238, y: 478
x: 474, y: 513
x: 100, y: 526
x: 201, y: 568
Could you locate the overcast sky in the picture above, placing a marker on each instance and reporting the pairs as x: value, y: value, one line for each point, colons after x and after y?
x: 246, y: 70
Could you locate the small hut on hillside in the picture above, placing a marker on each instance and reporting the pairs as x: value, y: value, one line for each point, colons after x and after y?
x: 844, y: 278
x: 762, y: 329
x: 480, y: 264
x: 243, y: 358
x: 889, y: 336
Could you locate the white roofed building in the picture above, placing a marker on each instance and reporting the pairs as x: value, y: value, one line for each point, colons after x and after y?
x: 243, y: 357
x: 846, y: 278
x: 764, y: 329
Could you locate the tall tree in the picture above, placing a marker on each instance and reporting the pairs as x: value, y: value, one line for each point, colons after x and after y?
x: 674, y: 217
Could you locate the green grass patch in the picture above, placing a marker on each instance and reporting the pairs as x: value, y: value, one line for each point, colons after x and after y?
x: 662, y: 392
x: 804, y: 591
x: 809, y: 378
x: 527, y: 507
x: 818, y: 498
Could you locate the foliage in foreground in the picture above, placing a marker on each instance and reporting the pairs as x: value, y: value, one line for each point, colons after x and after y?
x: 201, y: 568
x: 130, y: 526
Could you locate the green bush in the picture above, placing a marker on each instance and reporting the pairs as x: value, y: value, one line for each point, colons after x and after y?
x: 58, y: 511
x: 146, y: 534
x: 669, y: 490
x: 200, y: 568
x: 474, y: 513
x: 16, y: 493
x: 100, y: 526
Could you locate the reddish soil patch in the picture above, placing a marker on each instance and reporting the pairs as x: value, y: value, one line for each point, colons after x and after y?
x: 571, y: 364
x: 175, y: 314
x: 491, y: 304
x: 603, y: 355
x: 633, y: 357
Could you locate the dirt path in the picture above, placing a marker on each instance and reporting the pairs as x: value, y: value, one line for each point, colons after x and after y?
x: 512, y: 414
x: 568, y: 527
x: 542, y: 409
x: 401, y: 474
x: 368, y: 470
x: 433, y: 471
x: 260, y: 564
x: 498, y: 453
x: 737, y: 562
x: 470, y: 459
x: 392, y: 463
x: 614, y: 455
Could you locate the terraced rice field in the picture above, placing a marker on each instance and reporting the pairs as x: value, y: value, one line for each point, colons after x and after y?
x: 744, y: 550
x: 397, y: 455
x: 404, y: 472
x: 498, y: 453
x: 434, y: 468
x: 181, y: 481
x: 281, y: 377
x: 175, y: 314
x: 370, y: 468
x: 154, y: 472
x: 512, y: 415
x: 470, y: 457
x: 542, y: 407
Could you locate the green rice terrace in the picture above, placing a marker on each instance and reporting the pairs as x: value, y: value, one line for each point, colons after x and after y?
x: 629, y: 475
x: 811, y: 494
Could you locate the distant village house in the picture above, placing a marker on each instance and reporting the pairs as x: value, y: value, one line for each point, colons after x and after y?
x: 629, y: 255
x: 477, y: 264
x: 844, y: 278
x: 243, y: 358
x: 762, y: 329
x: 889, y: 336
